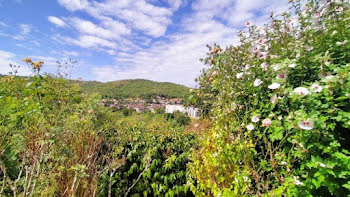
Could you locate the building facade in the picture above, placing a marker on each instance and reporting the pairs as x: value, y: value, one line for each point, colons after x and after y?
x: 190, y: 111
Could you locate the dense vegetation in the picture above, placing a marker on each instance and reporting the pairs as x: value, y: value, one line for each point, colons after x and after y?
x: 280, y: 101
x: 137, y: 88
x: 279, y: 104
x: 57, y: 141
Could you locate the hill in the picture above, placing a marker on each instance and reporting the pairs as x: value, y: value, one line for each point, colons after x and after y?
x: 133, y: 88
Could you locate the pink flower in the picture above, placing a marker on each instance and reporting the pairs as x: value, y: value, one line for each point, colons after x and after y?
x: 91, y: 111
x: 274, y: 86
x: 282, y: 76
x: 306, y: 125
x: 257, y: 82
x: 255, y: 119
x: 248, y: 24
x: 325, y: 75
x: 262, y: 55
x: 339, y: 9
x: 255, y: 49
x: 273, y: 99
x: 301, y: 91
x: 264, y: 66
x: 267, y: 122
x: 316, y: 88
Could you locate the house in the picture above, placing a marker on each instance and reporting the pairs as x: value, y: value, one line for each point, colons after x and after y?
x: 190, y: 111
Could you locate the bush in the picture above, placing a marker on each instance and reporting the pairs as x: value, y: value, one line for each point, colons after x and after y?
x: 281, y: 107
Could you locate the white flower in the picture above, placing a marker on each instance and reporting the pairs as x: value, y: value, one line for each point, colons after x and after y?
x: 325, y: 75
x: 339, y: 9
x: 255, y: 119
x: 274, y: 86
x: 264, y: 66
x: 301, y: 91
x: 280, y: 117
x: 255, y: 49
x: 339, y: 43
x: 282, y: 76
x: 316, y: 88
x: 245, y: 178
x: 298, y: 55
x: 267, y: 122
x: 273, y: 99
x: 334, y: 32
x: 246, y: 67
x: 292, y: 65
x: 276, y: 67
x: 297, y: 182
x: 250, y: 127
x: 239, y: 75
x: 322, y: 165
x: 248, y: 24
x: 306, y: 125
x: 257, y: 82
x: 284, y: 163
x: 262, y: 55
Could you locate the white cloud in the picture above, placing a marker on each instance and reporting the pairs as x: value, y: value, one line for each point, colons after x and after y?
x: 7, y: 58
x: 73, y: 5
x: 57, y: 21
x: 25, y: 29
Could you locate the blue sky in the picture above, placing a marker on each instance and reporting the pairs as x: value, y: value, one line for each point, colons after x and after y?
x: 160, y: 40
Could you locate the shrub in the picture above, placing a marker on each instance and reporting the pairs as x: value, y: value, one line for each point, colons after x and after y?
x: 281, y: 107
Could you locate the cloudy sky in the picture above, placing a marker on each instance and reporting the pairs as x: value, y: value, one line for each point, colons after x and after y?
x: 160, y: 40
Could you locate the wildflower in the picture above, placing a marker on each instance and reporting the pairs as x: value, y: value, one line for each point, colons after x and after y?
x: 339, y: 43
x: 274, y: 86
x: 264, y: 66
x: 280, y: 117
x: 292, y: 65
x: 273, y: 99
x: 301, y: 91
x: 257, y: 82
x: 246, y: 67
x: 266, y: 122
x: 282, y: 76
x: 339, y: 9
x: 27, y: 60
x: 91, y: 111
x: 255, y: 49
x: 255, y: 119
x: 284, y: 163
x: 245, y: 178
x: 316, y: 88
x: 297, y: 182
x: 239, y: 75
x: 216, y: 50
x: 322, y: 165
x: 37, y: 65
x: 276, y: 67
x: 334, y: 32
x: 262, y: 55
x: 325, y: 75
x: 250, y: 127
x: 248, y: 24
x: 298, y: 55
x: 306, y: 125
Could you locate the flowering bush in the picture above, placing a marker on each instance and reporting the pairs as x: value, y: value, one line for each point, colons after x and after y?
x: 280, y: 101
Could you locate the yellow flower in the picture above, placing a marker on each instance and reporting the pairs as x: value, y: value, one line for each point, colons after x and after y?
x: 27, y: 60
x: 37, y: 65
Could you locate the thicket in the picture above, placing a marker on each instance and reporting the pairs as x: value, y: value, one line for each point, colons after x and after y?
x: 57, y: 141
x: 280, y: 101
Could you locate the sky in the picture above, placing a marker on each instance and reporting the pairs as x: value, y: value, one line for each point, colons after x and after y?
x: 160, y: 40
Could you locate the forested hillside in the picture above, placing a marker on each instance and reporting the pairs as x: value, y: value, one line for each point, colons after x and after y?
x: 140, y: 88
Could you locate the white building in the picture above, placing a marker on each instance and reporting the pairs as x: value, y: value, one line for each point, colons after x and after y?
x: 191, y: 111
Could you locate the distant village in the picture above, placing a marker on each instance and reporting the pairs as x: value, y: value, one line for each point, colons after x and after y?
x: 170, y: 105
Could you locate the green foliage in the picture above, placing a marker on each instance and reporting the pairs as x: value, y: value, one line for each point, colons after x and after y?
x: 139, y: 88
x: 56, y: 140
x: 280, y: 101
